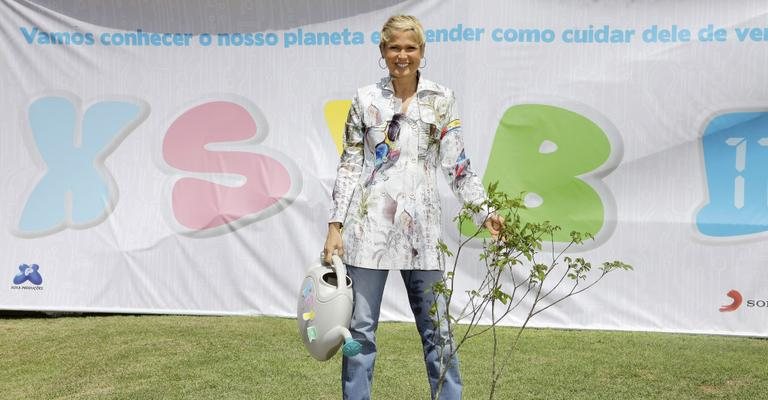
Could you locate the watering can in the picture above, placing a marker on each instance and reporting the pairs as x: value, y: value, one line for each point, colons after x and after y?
x: 325, y: 309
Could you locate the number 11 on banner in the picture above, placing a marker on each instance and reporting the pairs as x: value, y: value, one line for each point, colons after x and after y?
x: 736, y: 163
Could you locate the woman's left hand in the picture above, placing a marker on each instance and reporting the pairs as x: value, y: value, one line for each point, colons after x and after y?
x: 494, y: 223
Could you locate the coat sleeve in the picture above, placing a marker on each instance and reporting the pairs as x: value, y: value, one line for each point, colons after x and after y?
x: 466, y: 185
x: 350, y: 164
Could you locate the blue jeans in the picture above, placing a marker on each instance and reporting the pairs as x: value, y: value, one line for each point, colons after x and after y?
x: 368, y: 287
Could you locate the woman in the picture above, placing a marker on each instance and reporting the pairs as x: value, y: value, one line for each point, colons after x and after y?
x: 398, y: 133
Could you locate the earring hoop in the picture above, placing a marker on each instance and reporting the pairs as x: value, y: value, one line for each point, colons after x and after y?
x: 385, y: 63
x: 423, y: 62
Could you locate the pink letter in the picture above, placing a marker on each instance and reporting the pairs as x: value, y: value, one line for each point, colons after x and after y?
x: 200, y: 204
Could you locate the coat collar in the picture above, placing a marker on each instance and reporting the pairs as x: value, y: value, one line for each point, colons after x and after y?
x: 424, y: 85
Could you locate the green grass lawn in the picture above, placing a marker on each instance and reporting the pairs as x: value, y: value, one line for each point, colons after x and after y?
x: 175, y: 357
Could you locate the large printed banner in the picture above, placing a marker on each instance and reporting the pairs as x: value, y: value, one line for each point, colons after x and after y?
x: 178, y: 157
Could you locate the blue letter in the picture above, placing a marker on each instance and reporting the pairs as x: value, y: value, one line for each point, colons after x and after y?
x: 736, y: 164
x: 76, y: 189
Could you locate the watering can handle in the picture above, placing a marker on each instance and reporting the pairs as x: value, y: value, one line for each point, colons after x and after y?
x: 341, y: 272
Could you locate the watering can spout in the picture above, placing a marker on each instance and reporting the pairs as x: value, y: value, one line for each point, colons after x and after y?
x: 351, y: 346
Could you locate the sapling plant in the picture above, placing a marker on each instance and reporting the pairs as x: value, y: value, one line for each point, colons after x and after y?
x: 524, y: 271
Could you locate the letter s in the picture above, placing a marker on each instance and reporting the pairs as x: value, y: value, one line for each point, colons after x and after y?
x: 229, y: 189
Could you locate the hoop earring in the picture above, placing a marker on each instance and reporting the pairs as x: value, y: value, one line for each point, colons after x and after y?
x: 423, y: 63
x: 385, y: 63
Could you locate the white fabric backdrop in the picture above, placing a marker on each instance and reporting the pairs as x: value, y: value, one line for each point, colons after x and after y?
x: 107, y: 233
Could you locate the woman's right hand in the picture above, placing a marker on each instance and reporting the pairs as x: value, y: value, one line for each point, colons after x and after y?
x: 333, y: 242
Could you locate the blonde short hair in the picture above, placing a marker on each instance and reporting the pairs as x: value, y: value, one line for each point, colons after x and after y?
x: 402, y: 23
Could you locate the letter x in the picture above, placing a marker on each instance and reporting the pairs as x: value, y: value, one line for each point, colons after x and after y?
x: 76, y: 189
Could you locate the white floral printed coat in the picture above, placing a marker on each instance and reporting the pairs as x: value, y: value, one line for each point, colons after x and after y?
x: 386, y: 193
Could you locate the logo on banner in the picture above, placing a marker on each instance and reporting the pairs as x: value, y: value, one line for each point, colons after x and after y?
x: 735, y: 304
x: 738, y: 301
x: 28, y: 277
